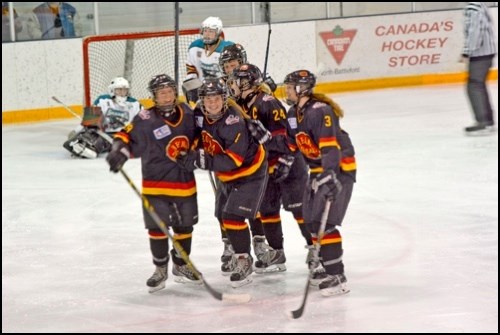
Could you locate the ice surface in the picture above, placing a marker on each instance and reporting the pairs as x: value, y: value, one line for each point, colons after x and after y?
x: 420, y: 235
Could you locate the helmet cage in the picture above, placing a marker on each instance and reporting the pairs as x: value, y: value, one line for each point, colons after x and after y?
x: 213, y: 87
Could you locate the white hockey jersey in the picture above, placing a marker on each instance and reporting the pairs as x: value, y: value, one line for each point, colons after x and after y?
x: 117, y: 115
x: 200, y: 64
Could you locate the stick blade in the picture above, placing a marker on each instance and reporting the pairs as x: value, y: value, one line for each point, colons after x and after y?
x: 295, y: 314
x: 236, y: 298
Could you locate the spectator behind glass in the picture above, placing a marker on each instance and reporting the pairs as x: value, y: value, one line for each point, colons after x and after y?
x: 56, y: 20
x: 6, y: 22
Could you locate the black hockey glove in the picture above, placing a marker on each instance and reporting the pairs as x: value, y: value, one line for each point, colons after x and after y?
x: 270, y: 82
x: 327, y: 183
x: 258, y: 131
x: 118, y: 155
x: 192, y: 160
x: 282, y: 168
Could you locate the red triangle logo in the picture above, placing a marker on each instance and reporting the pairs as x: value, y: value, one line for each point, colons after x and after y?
x: 338, y: 42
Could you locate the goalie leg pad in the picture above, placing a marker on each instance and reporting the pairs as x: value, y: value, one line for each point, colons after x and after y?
x: 87, y: 144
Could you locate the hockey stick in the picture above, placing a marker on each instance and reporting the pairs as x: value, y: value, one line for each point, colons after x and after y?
x: 237, y: 298
x: 268, y: 19
x: 98, y: 131
x: 298, y: 312
x: 212, y: 181
x: 67, y: 108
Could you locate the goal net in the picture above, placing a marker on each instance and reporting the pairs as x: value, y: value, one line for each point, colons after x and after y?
x: 136, y: 57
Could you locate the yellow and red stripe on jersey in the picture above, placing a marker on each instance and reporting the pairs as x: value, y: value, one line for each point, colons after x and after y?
x: 237, y: 159
x: 348, y: 163
x: 328, y: 142
x: 190, y: 69
x: 122, y: 136
x: 234, y: 225
x: 244, y: 171
x: 174, y: 189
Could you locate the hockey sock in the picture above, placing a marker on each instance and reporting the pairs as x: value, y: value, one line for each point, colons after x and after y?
x: 303, y: 228
x: 273, y: 230
x: 238, y: 233
x: 256, y: 227
x: 331, y: 252
x: 158, y: 242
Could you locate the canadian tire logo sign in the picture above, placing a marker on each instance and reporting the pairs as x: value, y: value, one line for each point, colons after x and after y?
x: 338, y: 41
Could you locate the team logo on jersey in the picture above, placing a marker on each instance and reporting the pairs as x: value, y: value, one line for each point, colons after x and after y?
x: 176, y: 146
x: 199, y: 121
x: 232, y: 119
x: 162, y: 132
x: 267, y: 98
x: 210, y: 145
x: 292, y: 122
x: 338, y: 42
x: 318, y: 104
x: 307, y: 146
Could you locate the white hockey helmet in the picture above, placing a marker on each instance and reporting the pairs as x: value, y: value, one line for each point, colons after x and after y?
x: 118, y: 82
x: 214, y: 23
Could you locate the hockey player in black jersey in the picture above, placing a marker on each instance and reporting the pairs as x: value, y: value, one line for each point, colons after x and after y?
x: 314, y: 123
x: 231, y: 57
x: 157, y: 135
x: 246, y: 87
x: 240, y: 164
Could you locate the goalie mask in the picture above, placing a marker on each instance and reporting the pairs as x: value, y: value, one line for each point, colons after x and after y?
x: 214, y: 24
x: 213, y: 96
x: 229, y: 53
x: 303, y: 82
x: 244, y: 77
x: 164, y: 99
x: 119, y: 89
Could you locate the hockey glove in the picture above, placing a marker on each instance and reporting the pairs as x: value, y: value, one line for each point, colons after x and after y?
x: 282, y: 168
x: 258, y: 131
x: 118, y: 155
x: 270, y: 82
x: 327, y: 183
x: 192, y: 160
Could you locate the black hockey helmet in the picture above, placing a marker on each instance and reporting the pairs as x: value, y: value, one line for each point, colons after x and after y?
x: 246, y: 76
x: 213, y: 87
x: 230, y: 52
x: 303, y: 80
x: 158, y: 82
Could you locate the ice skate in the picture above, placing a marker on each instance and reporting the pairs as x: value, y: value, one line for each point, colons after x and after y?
x: 241, y: 274
x: 157, y: 281
x: 259, y: 246
x: 272, y: 261
x: 183, y: 274
x: 333, y: 285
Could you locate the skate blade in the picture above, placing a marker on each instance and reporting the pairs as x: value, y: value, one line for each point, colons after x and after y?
x: 329, y: 292
x: 271, y: 269
x: 161, y: 286
x: 184, y: 280
x: 240, y: 283
x: 483, y: 132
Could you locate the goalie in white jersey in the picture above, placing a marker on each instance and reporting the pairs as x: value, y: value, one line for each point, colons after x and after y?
x: 203, y: 57
x: 109, y: 114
